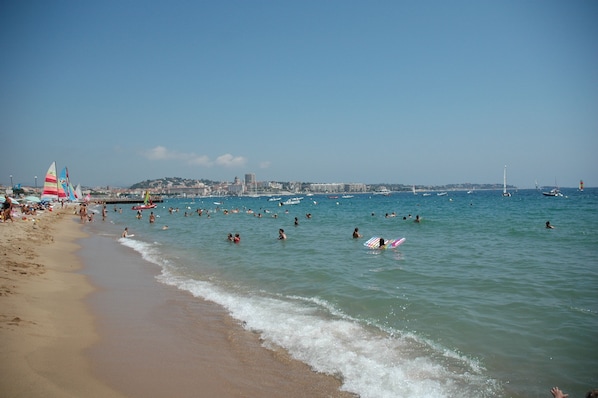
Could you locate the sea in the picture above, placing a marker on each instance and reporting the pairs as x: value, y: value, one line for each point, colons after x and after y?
x: 481, y: 300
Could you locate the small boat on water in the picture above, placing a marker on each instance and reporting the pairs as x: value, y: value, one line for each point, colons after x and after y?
x: 382, y: 191
x: 504, y: 184
x: 554, y: 191
x: 147, y: 203
x: 291, y: 201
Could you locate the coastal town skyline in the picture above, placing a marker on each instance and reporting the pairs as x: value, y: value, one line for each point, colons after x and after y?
x: 419, y: 94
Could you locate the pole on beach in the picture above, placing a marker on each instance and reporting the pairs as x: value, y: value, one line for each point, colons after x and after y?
x: 11, y: 181
x: 35, y: 184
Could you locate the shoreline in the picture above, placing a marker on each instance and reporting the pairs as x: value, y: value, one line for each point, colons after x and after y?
x: 72, y: 324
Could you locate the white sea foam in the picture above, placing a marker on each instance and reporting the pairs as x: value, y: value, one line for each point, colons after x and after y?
x: 369, y: 362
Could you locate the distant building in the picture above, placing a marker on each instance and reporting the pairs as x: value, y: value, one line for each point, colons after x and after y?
x: 250, y: 184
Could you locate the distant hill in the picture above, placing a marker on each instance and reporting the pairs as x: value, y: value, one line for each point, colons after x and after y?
x: 178, y: 182
x: 170, y: 182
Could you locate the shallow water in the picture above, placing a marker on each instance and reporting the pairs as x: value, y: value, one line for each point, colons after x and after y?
x: 481, y: 299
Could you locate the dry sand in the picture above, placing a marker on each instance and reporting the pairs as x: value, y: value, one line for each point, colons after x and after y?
x: 44, y: 323
x: 61, y: 336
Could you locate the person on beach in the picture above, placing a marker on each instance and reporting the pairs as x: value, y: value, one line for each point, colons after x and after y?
x: 281, y: 234
x: 83, y: 213
x: 548, y: 225
x: 230, y: 237
x: 356, y: 233
x: 296, y: 221
x: 382, y: 243
x: 152, y: 218
x: 165, y: 227
x: 139, y: 214
x: 417, y: 219
x: 104, y: 213
x: 125, y: 232
x: 6, y: 209
x: 237, y: 238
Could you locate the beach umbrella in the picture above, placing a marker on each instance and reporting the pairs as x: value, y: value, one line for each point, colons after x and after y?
x: 33, y: 199
x: 13, y: 200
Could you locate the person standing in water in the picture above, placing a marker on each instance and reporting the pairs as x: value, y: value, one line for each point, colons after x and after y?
x: 281, y: 234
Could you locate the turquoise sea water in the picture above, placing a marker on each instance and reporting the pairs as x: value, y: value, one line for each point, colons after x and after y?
x: 480, y: 301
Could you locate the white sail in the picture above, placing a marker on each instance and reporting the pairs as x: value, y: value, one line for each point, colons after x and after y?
x: 504, y: 189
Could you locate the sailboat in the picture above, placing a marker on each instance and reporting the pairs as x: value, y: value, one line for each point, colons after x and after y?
x: 78, y: 193
x: 504, y: 184
x: 554, y: 191
x: 147, y: 203
x: 413, y: 190
x: 67, y: 187
x: 52, y: 190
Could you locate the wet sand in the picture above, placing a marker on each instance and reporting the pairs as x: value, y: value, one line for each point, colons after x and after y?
x: 85, y: 316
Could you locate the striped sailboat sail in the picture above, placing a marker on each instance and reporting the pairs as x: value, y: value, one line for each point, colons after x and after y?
x: 63, y: 187
x: 50, y: 191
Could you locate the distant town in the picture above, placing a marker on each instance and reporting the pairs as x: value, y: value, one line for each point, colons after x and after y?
x: 249, y: 186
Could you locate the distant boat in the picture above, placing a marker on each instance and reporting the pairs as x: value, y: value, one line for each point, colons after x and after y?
x: 442, y: 194
x: 413, y: 190
x: 274, y: 199
x: 347, y: 196
x: 554, y: 191
x: 504, y: 184
x: 427, y: 194
x: 291, y: 201
x: 382, y: 191
x: 147, y: 203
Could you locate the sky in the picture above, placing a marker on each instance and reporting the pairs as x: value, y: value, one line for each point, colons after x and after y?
x: 408, y: 92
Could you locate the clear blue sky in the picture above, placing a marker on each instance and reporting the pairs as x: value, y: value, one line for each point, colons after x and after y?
x: 413, y: 92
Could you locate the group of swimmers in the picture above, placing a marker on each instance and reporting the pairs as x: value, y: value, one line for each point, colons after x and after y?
x: 234, y: 239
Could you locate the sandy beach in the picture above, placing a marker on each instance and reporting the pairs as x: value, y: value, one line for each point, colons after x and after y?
x: 44, y: 322
x: 81, y: 316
